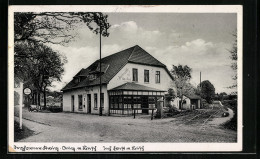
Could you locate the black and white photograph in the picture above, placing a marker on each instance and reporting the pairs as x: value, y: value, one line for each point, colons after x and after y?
x: 125, y: 78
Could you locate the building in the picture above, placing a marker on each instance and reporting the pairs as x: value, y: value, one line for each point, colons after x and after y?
x: 189, y: 102
x: 131, y: 78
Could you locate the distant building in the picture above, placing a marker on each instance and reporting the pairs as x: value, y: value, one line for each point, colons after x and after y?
x: 189, y: 102
x: 131, y: 78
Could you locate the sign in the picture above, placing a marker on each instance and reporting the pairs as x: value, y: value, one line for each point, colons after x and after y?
x: 27, y: 91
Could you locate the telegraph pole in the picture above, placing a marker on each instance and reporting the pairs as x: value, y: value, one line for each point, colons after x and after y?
x: 200, y: 79
x: 100, y: 83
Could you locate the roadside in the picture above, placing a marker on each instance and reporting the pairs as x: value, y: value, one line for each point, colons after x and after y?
x: 21, y: 134
x: 71, y: 127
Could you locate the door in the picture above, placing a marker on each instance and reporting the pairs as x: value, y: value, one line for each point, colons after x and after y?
x: 145, y: 105
x: 89, y: 102
x: 180, y: 105
x: 72, y: 103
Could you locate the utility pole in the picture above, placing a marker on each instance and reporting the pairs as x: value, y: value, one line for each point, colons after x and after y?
x: 200, y: 79
x: 100, y: 83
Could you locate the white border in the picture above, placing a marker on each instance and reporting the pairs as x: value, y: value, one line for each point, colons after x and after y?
x: 149, y: 147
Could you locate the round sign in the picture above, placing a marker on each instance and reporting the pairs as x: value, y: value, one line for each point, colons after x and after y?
x: 27, y: 91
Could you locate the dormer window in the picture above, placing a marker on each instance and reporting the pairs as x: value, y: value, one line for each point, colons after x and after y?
x: 92, y: 76
x: 76, y: 79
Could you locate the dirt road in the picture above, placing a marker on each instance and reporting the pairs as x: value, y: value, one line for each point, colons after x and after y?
x: 71, y: 127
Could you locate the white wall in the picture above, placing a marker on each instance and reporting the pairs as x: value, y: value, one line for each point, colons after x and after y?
x: 82, y: 91
x: 184, y: 106
x: 126, y: 75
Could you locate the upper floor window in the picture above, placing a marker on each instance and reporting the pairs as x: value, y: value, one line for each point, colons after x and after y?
x: 146, y: 75
x: 135, y: 74
x: 157, y: 77
x: 80, y: 101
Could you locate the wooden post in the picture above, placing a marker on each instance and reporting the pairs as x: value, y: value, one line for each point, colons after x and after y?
x: 152, y: 115
x: 21, y: 105
x: 100, y: 84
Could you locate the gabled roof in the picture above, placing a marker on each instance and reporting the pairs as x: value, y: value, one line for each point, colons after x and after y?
x: 135, y: 87
x: 193, y: 96
x: 112, y: 64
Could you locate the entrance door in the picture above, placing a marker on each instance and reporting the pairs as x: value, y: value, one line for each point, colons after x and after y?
x: 145, y: 105
x: 72, y: 103
x: 89, y: 102
x: 180, y: 105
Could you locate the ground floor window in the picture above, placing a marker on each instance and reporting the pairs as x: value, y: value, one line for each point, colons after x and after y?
x: 102, y: 100
x: 80, y: 101
x: 95, y: 100
x: 124, y: 104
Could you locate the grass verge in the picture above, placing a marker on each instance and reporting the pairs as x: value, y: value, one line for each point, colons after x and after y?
x: 21, y: 133
x: 231, y: 124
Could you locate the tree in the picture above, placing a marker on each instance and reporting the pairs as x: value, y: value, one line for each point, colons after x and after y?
x: 172, y: 94
x: 41, y: 66
x: 38, y: 64
x: 182, y: 76
x: 54, y: 27
x: 207, y: 91
x: 222, y: 95
x: 233, y: 57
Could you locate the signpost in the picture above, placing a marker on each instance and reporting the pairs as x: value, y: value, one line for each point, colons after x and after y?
x: 21, y: 105
x: 26, y: 91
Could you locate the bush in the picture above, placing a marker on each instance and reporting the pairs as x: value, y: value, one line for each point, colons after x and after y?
x: 170, y: 110
x: 232, y: 104
x: 55, y: 109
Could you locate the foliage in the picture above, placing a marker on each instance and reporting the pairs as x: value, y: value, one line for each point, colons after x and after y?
x: 54, y: 27
x: 232, y: 124
x: 16, y: 98
x: 182, y: 76
x: 172, y: 94
x: 207, y: 91
x: 233, y: 57
x: 38, y: 64
x: 41, y: 65
x: 181, y: 72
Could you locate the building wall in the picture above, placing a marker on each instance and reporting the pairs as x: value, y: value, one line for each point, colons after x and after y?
x: 177, y: 100
x: 126, y: 75
x: 188, y: 103
x: 82, y: 91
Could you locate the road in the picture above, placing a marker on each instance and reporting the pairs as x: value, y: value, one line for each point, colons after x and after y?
x: 71, y: 127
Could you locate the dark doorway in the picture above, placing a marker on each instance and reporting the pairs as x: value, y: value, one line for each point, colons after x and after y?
x: 72, y: 103
x: 180, y: 104
x: 89, y: 102
x: 195, y: 103
x: 145, y: 105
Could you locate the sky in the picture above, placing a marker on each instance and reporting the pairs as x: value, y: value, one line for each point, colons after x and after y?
x: 199, y: 40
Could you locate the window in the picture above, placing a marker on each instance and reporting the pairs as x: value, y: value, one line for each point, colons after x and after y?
x: 92, y: 77
x: 135, y: 74
x: 80, y: 101
x: 157, y: 77
x: 102, y: 100
x: 95, y: 100
x: 146, y: 75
